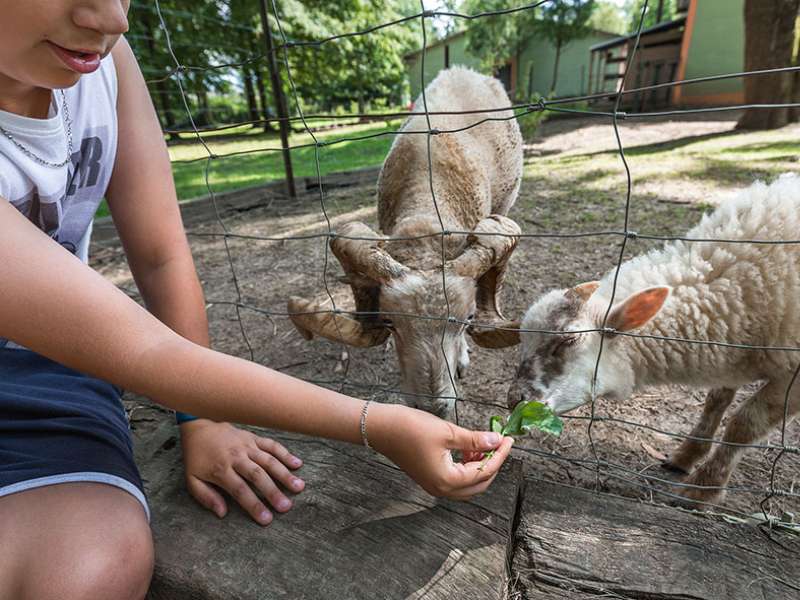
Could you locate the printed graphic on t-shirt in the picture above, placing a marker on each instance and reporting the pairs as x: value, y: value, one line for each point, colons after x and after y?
x: 65, y: 217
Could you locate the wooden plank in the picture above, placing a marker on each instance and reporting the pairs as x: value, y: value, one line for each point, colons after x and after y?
x: 578, y: 544
x: 361, y: 529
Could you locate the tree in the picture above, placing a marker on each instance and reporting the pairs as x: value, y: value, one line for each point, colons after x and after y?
x: 658, y: 11
x: 497, y: 38
x: 769, y: 40
x: 561, y: 23
x: 609, y: 18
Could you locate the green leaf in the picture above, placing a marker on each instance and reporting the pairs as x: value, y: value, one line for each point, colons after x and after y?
x: 533, y: 414
x: 496, y: 424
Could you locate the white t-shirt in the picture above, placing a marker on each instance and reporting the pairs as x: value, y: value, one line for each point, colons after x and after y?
x: 62, y: 201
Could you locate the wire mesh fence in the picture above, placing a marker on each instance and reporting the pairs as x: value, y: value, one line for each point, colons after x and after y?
x: 604, y: 471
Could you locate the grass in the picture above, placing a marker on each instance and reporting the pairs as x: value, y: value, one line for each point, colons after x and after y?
x: 251, y: 165
x: 661, y: 171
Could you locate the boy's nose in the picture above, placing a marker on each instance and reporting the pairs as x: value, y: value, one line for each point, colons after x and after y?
x: 104, y: 16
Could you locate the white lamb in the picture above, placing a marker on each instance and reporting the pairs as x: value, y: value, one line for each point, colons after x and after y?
x: 734, y: 293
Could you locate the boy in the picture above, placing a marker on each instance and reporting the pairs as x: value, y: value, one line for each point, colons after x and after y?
x: 77, y: 123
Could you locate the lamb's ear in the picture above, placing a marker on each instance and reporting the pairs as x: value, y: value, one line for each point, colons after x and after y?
x: 637, y: 309
x: 584, y: 290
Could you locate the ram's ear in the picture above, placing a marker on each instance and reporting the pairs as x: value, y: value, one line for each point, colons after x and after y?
x: 638, y: 308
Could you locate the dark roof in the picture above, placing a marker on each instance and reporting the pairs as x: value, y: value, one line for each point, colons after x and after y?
x: 618, y: 41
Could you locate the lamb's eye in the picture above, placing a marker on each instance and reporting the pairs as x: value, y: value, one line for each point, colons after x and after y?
x: 563, y: 343
x: 386, y: 322
x: 471, y: 318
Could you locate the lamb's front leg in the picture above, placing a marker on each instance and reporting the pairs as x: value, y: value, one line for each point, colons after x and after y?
x: 759, y: 415
x: 692, y: 451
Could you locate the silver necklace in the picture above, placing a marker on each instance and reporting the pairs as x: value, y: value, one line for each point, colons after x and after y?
x: 68, y: 127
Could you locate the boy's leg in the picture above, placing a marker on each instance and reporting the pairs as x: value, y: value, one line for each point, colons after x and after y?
x: 74, y: 541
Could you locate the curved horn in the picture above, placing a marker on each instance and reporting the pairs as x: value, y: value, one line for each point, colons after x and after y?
x: 311, y: 318
x: 489, y: 247
x: 365, y: 257
x: 500, y: 334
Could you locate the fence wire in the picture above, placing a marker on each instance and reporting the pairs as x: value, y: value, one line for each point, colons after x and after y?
x: 602, y: 469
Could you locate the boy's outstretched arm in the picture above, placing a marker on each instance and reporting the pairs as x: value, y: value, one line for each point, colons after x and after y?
x: 143, y: 203
x: 55, y: 305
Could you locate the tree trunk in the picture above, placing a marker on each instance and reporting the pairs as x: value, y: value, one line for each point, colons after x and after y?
x: 768, y: 44
x: 555, y: 70
x: 250, y: 94
x: 167, y: 118
x: 262, y: 96
x: 204, y: 112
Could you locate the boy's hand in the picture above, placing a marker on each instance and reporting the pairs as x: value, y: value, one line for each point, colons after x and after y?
x: 241, y: 463
x: 421, y: 445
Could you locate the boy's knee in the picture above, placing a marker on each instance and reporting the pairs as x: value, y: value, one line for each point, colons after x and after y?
x: 120, y: 567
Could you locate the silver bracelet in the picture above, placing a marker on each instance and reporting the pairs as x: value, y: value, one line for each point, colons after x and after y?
x: 364, y: 410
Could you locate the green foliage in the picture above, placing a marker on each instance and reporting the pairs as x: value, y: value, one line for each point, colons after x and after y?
x: 205, y: 33
x: 527, y: 416
x: 362, y: 68
x: 496, y: 39
x: 529, y: 122
x: 609, y: 18
x: 633, y: 8
x: 524, y: 417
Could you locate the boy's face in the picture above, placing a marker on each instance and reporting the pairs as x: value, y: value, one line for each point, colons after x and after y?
x: 51, y: 43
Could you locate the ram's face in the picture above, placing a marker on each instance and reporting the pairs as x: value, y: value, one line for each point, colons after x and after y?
x: 425, y: 311
x: 428, y: 321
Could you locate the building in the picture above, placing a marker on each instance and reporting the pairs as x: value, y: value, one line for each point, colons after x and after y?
x: 707, y: 38
x: 528, y: 73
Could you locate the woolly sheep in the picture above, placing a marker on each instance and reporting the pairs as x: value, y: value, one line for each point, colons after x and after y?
x: 735, y: 293
x: 476, y: 175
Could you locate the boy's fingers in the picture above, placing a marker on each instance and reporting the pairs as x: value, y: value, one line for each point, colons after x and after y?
x: 241, y: 492
x: 474, y: 441
x: 479, y: 488
x: 278, y: 451
x: 255, y: 474
x: 476, y: 472
x: 278, y: 471
x: 207, y: 496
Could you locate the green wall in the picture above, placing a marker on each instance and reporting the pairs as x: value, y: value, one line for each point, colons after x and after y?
x: 434, y: 62
x: 717, y: 46
x: 537, y: 57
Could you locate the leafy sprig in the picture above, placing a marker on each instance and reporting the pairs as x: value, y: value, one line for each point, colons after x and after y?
x: 524, y: 417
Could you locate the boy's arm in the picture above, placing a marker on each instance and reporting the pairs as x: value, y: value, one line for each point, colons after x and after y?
x: 143, y: 203
x: 55, y: 305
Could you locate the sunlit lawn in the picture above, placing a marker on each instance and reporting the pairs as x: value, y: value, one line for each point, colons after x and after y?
x: 253, y: 158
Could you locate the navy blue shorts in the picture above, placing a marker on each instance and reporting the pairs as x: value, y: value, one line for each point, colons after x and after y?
x: 61, y: 426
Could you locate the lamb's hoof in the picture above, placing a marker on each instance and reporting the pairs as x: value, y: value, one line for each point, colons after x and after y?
x: 674, y: 468
x: 698, y: 499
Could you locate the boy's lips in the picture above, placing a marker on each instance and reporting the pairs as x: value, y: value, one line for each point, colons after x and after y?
x: 80, y: 62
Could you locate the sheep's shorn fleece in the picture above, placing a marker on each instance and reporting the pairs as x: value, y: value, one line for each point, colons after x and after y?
x: 398, y: 283
x: 735, y: 293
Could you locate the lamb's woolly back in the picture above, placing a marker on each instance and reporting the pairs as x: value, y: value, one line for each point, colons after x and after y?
x: 760, y: 212
x: 476, y: 172
x: 735, y: 292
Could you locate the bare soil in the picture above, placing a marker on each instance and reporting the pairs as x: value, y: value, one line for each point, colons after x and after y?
x: 551, y: 200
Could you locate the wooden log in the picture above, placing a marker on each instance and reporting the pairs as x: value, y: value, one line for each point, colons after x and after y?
x: 361, y: 529
x: 578, y: 544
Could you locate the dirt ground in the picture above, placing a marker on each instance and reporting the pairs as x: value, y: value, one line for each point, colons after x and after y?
x: 563, y: 191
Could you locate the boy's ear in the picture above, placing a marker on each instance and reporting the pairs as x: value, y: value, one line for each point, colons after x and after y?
x: 638, y: 308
